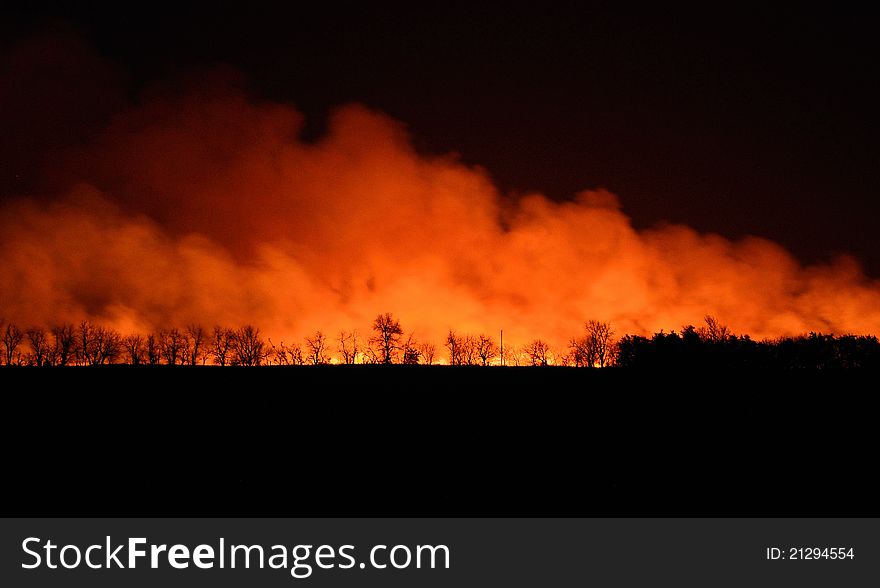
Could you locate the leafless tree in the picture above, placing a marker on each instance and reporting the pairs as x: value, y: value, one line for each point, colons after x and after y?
x: 84, y: 346
x: 538, y: 352
x: 286, y: 354
x: 316, y: 346
x: 295, y: 355
x: 487, y: 350
x: 427, y: 351
x: 469, y: 350
x: 595, y: 347
x: 63, y: 344
x: 411, y: 352
x: 714, y: 331
x: 173, y: 346
x: 221, y: 345
x: 107, y: 343
x: 455, y: 345
x: 277, y: 354
x: 97, y: 344
x: 40, y: 348
x: 601, y: 342
x: 566, y: 359
x: 388, y: 337
x: 248, y: 347
x: 580, y: 352
x: 153, y: 349
x: 348, y: 346
x: 514, y: 356
x: 51, y: 358
x: 83, y: 343
x: 12, y: 338
x: 133, y: 347
x: 195, y: 334
x: 372, y: 352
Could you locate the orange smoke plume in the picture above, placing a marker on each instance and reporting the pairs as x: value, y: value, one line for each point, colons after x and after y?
x: 206, y: 206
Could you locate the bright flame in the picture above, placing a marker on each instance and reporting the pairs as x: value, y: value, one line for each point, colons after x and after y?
x: 206, y: 207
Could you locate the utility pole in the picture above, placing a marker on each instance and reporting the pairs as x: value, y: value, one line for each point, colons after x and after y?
x: 502, y: 347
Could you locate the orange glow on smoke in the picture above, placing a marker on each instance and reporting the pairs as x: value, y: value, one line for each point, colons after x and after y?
x: 207, y: 208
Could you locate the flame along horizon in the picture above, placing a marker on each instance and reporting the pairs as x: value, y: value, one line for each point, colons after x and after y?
x: 205, y: 206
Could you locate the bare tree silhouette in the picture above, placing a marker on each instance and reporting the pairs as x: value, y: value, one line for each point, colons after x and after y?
x: 12, y: 338
x: 133, y: 346
x: 316, y: 346
x: 455, y: 345
x: 580, y: 352
x: 411, y: 350
x: 388, y: 337
x: 221, y: 345
x: 196, y: 337
x: 348, y: 347
x: 294, y: 352
x: 714, y: 331
x: 469, y: 350
x: 174, y: 346
x: 285, y: 354
x: 63, y: 344
x: 40, y: 348
x: 538, y: 352
x: 96, y: 344
x: 514, y: 356
x: 153, y: 349
x: 595, y: 347
x: 600, y: 336
x: 248, y: 347
x: 372, y: 354
x: 487, y: 349
x: 427, y: 352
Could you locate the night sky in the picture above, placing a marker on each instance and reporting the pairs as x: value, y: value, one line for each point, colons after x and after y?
x: 750, y: 120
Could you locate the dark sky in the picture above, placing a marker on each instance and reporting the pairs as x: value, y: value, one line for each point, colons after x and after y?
x: 750, y: 120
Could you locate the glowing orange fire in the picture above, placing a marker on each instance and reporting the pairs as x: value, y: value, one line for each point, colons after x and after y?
x: 207, y: 208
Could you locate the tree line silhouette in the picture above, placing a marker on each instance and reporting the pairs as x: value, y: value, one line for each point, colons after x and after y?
x: 710, y: 345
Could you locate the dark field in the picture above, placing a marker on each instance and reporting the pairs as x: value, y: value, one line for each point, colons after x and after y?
x: 437, y: 441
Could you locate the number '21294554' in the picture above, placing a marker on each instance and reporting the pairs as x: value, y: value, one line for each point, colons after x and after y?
x: 775, y: 553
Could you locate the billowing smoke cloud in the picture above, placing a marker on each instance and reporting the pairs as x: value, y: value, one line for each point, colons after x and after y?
x: 203, y: 205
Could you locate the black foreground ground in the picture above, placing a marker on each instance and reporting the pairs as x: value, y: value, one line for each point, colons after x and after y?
x: 437, y: 441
